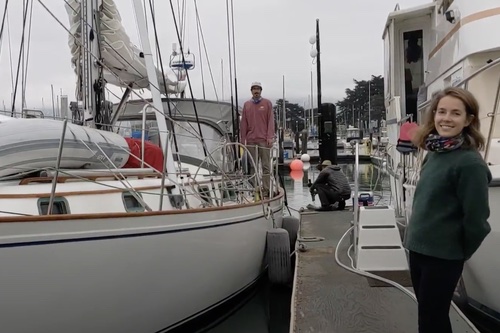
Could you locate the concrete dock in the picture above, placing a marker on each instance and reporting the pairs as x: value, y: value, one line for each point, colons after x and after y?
x: 330, y: 299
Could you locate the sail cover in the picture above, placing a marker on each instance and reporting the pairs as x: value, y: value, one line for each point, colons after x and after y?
x: 123, y: 65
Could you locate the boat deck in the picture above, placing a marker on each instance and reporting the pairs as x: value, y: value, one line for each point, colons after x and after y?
x: 327, y: 298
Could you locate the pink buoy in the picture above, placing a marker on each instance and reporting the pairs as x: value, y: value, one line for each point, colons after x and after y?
x: 296, y: 165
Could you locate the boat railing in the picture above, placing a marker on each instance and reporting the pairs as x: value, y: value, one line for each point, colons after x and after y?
x: 46, y: 176
x: 469, y: 77
x: 406, y: 168
x: 256, y: 179
x: 25, y: 113
x: 463, y: 84
x: 234, y: 175
x: 217, y: 191
x: 225, y: 178
x: 355, y: 222
x: 491, y: 130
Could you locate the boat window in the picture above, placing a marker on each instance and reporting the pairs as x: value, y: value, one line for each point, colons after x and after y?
x: 133, y: 129
x: 131, y: 203
x: 231, y: 191
x: 224, y: 193
x: 190, y: 144
x: 59, y: 206
x: 353, y: 133
x: 413, y: 69
x: 228, y: 192
x: 187, y: 134
x: 205, y: 194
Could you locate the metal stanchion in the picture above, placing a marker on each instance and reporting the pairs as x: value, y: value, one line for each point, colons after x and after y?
x: 355, y: 199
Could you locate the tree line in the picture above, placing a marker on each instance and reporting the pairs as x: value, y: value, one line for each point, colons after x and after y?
x: 362, y: 103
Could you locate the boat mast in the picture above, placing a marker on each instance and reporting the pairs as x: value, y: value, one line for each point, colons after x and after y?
x: 155, y: 92
x: 90, y: 71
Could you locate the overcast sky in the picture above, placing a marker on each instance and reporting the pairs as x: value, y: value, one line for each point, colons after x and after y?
x: 272, y: 41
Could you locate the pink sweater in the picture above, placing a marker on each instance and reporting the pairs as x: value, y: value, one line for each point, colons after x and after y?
x: 257, y: 122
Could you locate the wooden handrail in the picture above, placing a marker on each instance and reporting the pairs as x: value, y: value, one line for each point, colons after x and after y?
x: 63, y: 179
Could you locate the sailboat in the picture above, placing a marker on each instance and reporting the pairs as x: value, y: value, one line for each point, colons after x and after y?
x: 96, y: 235
x: 449, y: 45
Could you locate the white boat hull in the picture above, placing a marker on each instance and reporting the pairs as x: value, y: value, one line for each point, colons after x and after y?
x: 481, y: 272
x: 31, y: 144
x: 453, y: 54
x: 133, y: 274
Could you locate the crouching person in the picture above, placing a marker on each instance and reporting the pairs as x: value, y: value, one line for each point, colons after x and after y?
x: 332, y: 187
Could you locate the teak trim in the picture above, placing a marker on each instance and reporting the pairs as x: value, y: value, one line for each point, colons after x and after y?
x: 63, y: 179
x: 67, y: 217
x: 92, y: 192
x: 75, y: 193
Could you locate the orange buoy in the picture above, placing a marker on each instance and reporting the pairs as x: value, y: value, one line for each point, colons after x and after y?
x: 296, y: 165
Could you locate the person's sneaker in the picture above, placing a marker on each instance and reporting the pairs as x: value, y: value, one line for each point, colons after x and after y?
x: 324, y: 209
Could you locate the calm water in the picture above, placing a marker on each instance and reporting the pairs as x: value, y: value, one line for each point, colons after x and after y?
x: 268, y: 310
x: 370, y: 179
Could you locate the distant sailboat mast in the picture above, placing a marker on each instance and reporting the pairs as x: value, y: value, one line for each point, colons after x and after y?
x: 283, y: 111
x: 312, y: 101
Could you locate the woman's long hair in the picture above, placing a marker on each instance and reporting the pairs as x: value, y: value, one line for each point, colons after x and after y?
x: 473, y: 139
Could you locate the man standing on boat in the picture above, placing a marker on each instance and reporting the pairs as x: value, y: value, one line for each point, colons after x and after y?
x: 332, y: 187
x: 257, y: 132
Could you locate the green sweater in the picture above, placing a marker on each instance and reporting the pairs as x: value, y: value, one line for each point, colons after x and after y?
x: 450, y: 206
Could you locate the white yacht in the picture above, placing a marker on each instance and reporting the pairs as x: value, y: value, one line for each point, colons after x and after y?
x: 427, y: 48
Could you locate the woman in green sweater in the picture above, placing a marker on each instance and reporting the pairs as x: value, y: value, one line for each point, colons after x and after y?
x: 450, y: 206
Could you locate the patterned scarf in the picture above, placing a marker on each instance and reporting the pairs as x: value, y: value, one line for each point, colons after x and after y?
x: 439, y: 144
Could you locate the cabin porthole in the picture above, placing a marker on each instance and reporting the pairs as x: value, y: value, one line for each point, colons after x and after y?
x: 59, y: 206
x: 204, y: 192
x: 132, y: 205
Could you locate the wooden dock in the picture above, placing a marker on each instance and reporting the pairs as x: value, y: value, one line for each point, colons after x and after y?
x: 327, y: 298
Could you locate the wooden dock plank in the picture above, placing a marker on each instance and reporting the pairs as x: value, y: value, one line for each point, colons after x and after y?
x: 330, y: 299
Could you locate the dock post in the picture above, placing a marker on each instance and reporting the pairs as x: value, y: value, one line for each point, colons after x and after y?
x: 355, y: 202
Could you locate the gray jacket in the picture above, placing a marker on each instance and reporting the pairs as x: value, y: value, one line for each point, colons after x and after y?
x: 335, y: 178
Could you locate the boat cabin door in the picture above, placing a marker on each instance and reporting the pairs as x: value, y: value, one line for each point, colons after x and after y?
x: 406, y: 43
